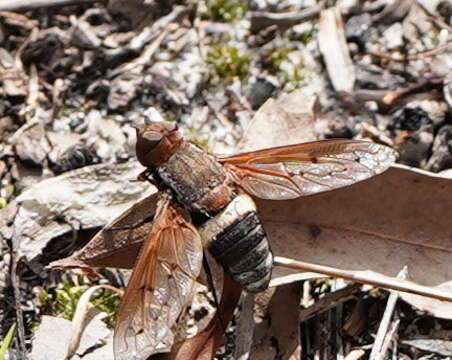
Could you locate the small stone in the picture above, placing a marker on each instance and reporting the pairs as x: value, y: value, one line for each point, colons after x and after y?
x: 261, y: 90
x: 411, y: 119
x: 357, y: 29
x: 84, y: 37
x: 394, y: 36
x: 415, y: 148
x: 32, y: 147
x: 442, y: 150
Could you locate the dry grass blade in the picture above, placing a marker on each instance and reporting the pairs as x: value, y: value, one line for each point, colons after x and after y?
x: 333, y: 47
x: 380, y: 345
x: 82, y: 317
x: 204, y: 345
x: 23, y: 5
x: 7, y: 341
x: 329, y: 301
x: 355, y: 354
x: 366, y: 277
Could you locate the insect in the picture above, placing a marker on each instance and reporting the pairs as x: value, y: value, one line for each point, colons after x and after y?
x: 204, y: 203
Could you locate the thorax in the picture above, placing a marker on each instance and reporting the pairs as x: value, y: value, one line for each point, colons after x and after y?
x: 197, y: 179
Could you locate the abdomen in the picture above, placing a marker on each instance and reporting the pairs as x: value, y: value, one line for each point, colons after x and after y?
x: 237, y: 240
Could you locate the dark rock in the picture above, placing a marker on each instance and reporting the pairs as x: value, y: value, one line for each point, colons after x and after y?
x: 74, y: 158
x: 368, y: 77
x: 415, y: 148
x: 411, y: 119
x: 261, y: 90
x: 442, y: 150
x: 444, y: 8
x: 358, y: 29
x: 44, y: 50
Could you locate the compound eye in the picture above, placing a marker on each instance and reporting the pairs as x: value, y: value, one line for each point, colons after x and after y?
x: 152, y: 136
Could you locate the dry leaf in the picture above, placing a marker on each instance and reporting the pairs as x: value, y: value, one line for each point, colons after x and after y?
x: 84, y: 198
x: 284, y: 121
x: 377, y: 225
x: 437, y: 308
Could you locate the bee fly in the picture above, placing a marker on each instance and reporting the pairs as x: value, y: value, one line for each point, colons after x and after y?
x: 204, y: 202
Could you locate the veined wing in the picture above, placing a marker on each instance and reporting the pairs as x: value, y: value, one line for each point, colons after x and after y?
x: 160, y: 287
x: 292, y: 171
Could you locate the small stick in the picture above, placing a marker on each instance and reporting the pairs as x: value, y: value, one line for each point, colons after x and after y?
x: 417, y: 56
x: 366, y: 277
x: 378, y: 349
x: 24, y: 5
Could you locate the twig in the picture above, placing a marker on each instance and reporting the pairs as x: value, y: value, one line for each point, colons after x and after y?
x: 366, y: 277
x: 24, y: 5
x: 418, y: 56
x: 261, y: 20
x: 380, y: 345
x: 389, y: 337
x: 19, y: 314
x: 144, y: 58
x: 245, y: 328
x: 424, y: 85
x: 329, y: 301
x: 436, y: 19
x: 83, y: 315
x: 355, y: 354
x: 287, y: 279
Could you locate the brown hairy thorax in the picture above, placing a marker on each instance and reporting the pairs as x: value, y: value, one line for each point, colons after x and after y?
x: 157, y: 142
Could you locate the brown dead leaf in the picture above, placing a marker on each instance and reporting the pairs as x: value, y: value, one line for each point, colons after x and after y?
x: 83, y: 198
x: 381, y: 224
x: 283, y: 121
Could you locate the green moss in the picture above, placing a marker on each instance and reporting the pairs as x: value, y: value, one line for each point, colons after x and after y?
x: 290, y: 70
x: 278, y: 56
x: 225, y: 10
x: 304, y: 37
x: 227, y: 62
x: 195, y: 139
x: 107, y: 302
x: 62, y: 301
x: 3, y: 202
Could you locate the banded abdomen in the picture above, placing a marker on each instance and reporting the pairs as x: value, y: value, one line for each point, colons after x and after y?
x: 237, y: 240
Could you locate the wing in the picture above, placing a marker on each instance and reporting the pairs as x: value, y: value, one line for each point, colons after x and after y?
x: 160, y: 287
x: 289, y: 172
